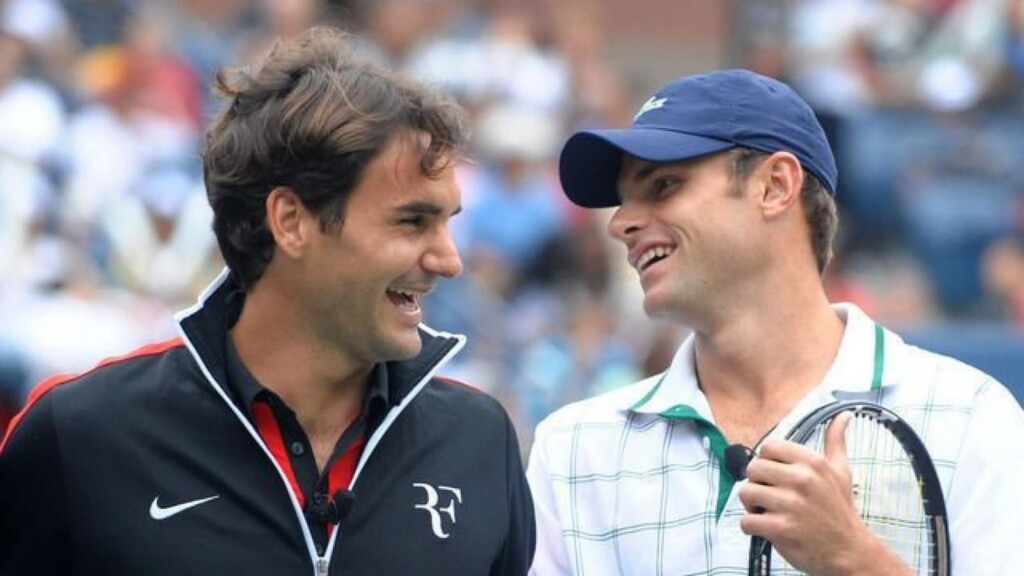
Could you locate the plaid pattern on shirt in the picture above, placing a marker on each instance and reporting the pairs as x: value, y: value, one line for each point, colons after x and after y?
x: 629, y: 482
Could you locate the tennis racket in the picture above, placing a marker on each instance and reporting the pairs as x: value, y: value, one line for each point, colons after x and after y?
x: 895, y: 488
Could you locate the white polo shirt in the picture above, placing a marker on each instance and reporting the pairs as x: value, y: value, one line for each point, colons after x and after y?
x: 629, y: 482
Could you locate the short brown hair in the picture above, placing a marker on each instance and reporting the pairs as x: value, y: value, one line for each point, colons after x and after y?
x: 820, y: 209
x: 311, y: 117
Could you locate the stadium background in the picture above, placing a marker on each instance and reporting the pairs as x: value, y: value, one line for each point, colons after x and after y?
x: 104, y: 230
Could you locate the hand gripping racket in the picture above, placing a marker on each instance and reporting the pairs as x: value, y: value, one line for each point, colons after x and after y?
x: 895, y: 488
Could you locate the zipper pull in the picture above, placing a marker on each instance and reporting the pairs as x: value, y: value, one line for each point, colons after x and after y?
x: 321, y: 566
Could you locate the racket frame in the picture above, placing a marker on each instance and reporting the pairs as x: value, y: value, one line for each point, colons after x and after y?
x: 924, y: 469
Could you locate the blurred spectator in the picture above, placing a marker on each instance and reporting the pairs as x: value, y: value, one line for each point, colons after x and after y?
x: 142, y: 110
x: 579, y: 257
x: 892, y: 284
x: 763, y: 37
x: 958, y: 194
x: 504, y: 61
x: 1015, y: 48
x: 396, y: 29
x: 99, y: 23
x: 281, y: 19
x: 843, y: 286
x: 600, y: 95
x: 1003, y: 279
x: 31, y: 124
x: 210, y: 34
x: 31, y: 112
x: 847, y: 54
x: 827, y: 59
x: 585, y: 355
x: 65, y: 319
x: 158, y: 237
x: 44, y: 26
x: 513, y: 210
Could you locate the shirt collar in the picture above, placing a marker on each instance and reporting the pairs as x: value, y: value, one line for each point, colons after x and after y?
x: 864, y: 362
x: 861, y: 365
x: 677, y: 386
x: 242, y: 385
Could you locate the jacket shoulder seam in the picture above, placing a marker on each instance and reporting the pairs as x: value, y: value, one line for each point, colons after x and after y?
x: 48, y: 384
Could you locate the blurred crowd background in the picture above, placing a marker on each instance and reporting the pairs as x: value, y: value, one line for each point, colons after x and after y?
x: 104, y: 227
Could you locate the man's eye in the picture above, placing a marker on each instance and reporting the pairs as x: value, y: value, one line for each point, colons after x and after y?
x: 414, y: 221
x: 662, y: 185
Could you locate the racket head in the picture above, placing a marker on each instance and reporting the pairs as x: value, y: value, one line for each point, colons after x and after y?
x: 896, y: 487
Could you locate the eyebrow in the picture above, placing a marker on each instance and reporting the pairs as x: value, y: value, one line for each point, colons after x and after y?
x: 648, y: 168
x: 425, y: 208
x: 645, y: 171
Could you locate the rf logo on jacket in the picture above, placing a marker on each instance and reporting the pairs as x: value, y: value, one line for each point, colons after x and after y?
x: 454, y: 496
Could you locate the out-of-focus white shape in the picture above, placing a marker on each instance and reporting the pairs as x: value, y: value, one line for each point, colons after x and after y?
x: 35, y: 21
x: 31, y: 120
x: 949, y: 84
x: 519, y: 132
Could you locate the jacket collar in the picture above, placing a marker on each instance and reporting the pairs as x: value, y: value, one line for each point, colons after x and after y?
x: 204, y: 327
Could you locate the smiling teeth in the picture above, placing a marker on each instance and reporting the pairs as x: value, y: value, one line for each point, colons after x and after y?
x: 656, y: 252
x: 409, y: 299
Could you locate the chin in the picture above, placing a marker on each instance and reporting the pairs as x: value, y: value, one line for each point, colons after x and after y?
x: 655, y: 307
x: 404, y: 346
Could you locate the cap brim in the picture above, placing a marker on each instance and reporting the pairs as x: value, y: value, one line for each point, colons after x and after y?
x: 590, y: 160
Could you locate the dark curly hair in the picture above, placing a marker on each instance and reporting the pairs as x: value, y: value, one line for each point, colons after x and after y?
x: 311, y: 117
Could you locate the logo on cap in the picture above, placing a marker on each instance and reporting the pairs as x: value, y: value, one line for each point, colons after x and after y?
x: 652, y: 103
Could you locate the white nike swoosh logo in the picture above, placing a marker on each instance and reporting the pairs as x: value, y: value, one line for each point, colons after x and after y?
x: 159, y: 513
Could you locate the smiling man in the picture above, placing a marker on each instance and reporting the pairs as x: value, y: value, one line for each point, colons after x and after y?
x: 298, y: 425
x: 723, y: 193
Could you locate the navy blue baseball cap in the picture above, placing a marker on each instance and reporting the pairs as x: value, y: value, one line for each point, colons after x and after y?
x: 695, y: 116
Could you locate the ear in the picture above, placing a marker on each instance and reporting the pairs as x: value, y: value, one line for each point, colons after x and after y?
x: 783, y: 178
x: 289, y: 221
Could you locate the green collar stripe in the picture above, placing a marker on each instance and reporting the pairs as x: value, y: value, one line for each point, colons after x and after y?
x: 650, y: 393
x: 717, y: 443
x: 876, y: 380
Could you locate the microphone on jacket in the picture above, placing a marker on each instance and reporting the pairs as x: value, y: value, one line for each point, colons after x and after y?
x: 326, y: 509
x: 737, y: 456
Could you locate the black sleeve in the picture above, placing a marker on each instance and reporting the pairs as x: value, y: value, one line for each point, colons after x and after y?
x: 521, y: 539
x: 33, y: 503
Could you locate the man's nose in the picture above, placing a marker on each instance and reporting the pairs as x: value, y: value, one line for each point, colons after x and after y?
x: 443, y: 257
x: 626, y: 220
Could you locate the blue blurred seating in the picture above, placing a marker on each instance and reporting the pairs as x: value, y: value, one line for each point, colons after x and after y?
x: 994, y: 348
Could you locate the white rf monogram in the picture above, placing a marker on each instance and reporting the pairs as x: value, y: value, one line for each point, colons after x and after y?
x: 433, y: 498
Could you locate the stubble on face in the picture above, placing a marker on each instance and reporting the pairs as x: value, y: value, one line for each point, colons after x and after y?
x: 371, y: 273
x: 695, y: 208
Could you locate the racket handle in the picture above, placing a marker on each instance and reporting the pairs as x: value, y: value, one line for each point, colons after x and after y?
x: 760, y: 557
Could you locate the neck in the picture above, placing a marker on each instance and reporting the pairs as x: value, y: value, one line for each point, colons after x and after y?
x: 764, y: 358
x: 324, y: 387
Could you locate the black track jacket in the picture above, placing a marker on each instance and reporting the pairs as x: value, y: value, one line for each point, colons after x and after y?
x: 439, y: 488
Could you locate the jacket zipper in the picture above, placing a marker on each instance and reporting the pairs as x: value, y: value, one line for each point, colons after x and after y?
x: 321, y: 563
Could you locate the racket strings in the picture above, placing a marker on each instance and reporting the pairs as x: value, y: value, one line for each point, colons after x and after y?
x: 885, y: 490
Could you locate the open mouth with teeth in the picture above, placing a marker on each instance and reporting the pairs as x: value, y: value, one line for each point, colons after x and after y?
x: 652, y: 256
x: 404, y: 299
